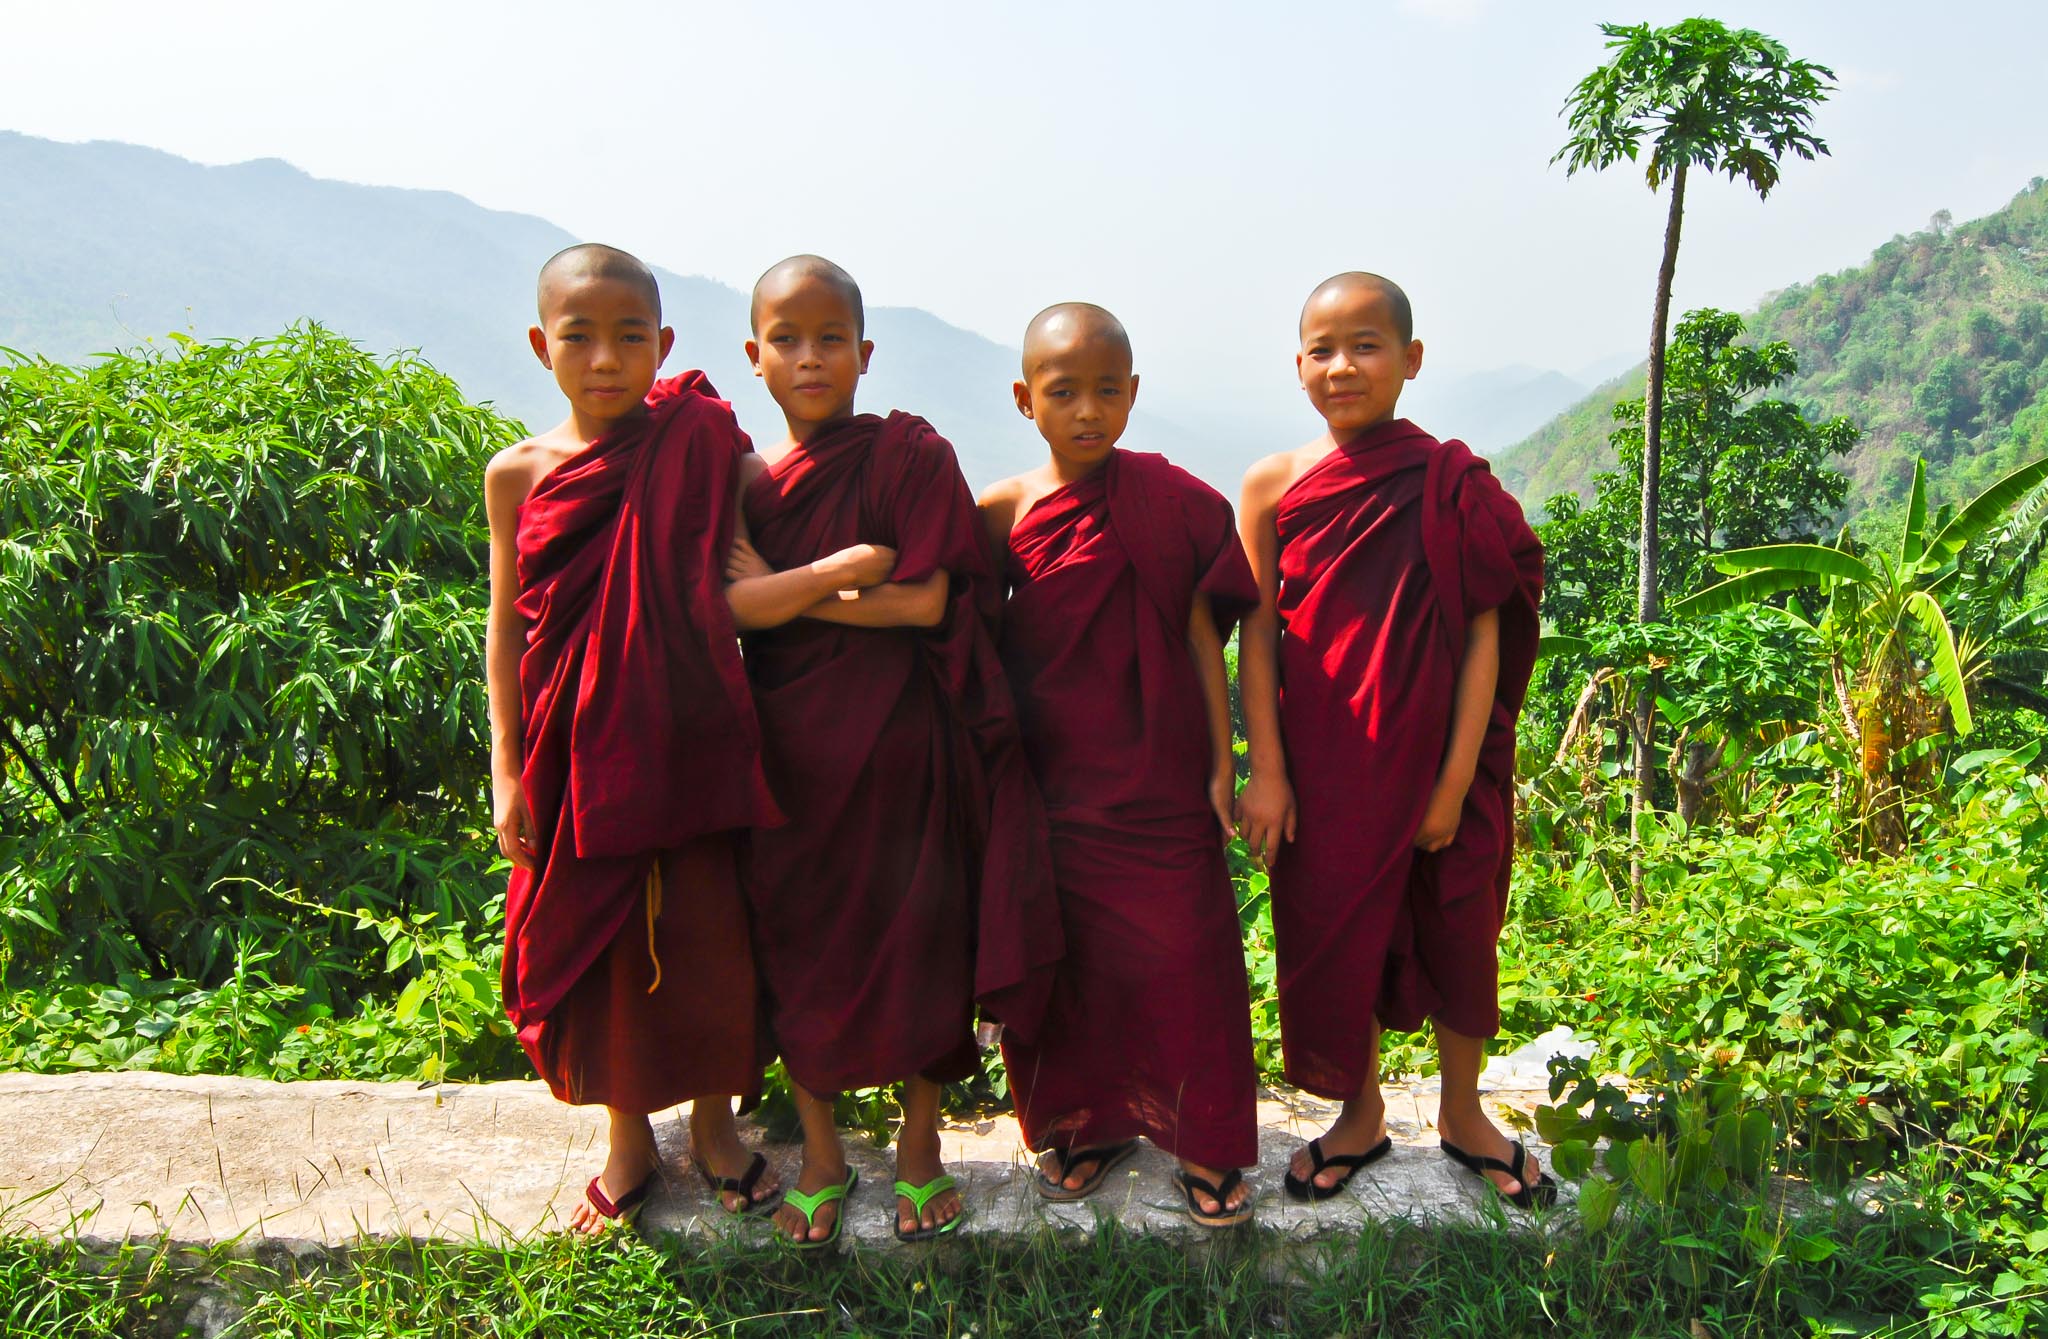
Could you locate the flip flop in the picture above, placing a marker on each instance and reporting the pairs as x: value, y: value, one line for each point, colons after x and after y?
x: 1106, y: 1157
x: 1542, y: 1194
x: 919, y: 1196
x: 628, y: 1206
x: 1305, y: 1188
x: 741, y: 1185
x: 1189, y: 1184
x: 808, y: 1205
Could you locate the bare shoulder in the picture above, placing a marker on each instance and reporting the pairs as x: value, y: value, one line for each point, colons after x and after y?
x: 752, y: 467
x: 1273, y: 475
x: 1002, y: 493
x: 511, y: 474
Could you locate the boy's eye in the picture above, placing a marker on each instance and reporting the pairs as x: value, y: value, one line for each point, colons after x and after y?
x: 1110, y: 392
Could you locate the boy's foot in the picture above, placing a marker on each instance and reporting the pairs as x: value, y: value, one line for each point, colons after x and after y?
x: 823, y: 1223
x: 1469, y: 1135
x: 726, y: 1166
x: 628, y: 1172
x: 918, y: 1163
x: 1066, y: 1174
x: 1197, y: 1181
x: 1349, y: 1136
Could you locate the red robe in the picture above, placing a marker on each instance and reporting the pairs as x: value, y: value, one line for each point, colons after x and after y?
x: 1389, y: 546
x: 1149, y: 1029
x: 912, y: 878
x: 641, y: 753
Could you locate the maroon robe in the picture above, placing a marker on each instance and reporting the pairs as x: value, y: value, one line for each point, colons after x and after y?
x: 641, y: 755
x: 1389, y: 546
x: 912, y: 878
x: 1149, y: 1029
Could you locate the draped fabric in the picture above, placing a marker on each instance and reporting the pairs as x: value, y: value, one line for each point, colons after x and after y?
x: 641, y: 756
x: 912, y: 879
x: 1148, y: 1032
x: 1389, y: 546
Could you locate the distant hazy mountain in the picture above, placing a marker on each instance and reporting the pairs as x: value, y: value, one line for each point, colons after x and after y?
x: 1491, y: 410
x: 1937, y: 347
x: 107, y: 245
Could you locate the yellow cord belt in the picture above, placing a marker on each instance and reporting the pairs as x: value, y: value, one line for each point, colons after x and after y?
x: 653, y: 914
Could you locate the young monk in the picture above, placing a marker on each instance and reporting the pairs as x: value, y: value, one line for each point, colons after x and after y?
x: 912, y: 877
x: 1382, y: 675
x: 1126, y: 575
x: 624, y: 753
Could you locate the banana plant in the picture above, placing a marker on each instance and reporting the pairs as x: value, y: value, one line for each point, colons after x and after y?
x: 1875, y: 602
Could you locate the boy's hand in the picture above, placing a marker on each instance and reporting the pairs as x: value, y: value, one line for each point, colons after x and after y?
x: 1440, y: 820
x: 1265, y: 815
x: 518, y: 838
x: 1223, y: 799
x: 743, y: 562
x: 860, y: 566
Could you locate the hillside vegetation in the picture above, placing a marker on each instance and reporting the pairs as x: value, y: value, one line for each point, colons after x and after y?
x: 1937, y: 347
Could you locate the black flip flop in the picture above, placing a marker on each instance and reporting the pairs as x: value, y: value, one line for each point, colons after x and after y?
x: 1306, y: 1188
x: 1190, y: 1184
x: 741, y: 1185
x: 1542, y: 1194
x: 1105, y: 1158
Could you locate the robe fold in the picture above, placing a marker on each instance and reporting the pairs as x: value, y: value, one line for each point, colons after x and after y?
x: 641, y: 759
x: 1149, y: 1029
x: 912, y: 879
x: 1389, y: 546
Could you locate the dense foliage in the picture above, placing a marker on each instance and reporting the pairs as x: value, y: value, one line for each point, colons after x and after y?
x: 241, y: 614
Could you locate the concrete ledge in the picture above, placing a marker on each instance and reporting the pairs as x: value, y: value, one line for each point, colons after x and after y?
x: 204, y: 1161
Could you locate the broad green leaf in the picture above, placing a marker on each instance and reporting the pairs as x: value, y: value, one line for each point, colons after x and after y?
x: 1598, y: 1197
x: 410, y: 999
x: 1559, y: 645
x: 1983, y: 511
x: 1948, y: 669
x: 1818, y: 560
x: 1912, y: 541
x: 1750, y: 588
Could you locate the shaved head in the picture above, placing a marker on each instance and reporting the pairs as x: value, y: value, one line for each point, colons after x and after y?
x: 1064, y: 325
x: 785, y: 274
x: 587, y: 261
x: 1388, y: 291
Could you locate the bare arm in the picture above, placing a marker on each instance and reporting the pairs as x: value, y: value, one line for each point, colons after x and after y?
x: 761, y: 597
x: 1477, y: 675
x: 893, y: 604
x: 1205, y: 644
x: 505, y: 487
x: 1265, y: 811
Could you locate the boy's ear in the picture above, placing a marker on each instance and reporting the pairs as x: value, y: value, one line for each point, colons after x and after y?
x: 867, y: 351
x: 1297, y: 371
x: 1022, y: 393
x: 1134, y: 390
x: 668, y: 341
x: 1414, y: 358
x: 538, y: 338
x: 754, y: 356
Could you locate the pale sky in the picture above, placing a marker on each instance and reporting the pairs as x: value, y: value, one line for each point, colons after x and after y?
x: 1197, y: 167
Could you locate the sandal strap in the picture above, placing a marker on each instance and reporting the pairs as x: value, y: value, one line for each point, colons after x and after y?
x: 919, y: 1196
x: 809, y: 1202
x: 594, y: 1192
x: 751, y: 1178
x: 1354, y: 1161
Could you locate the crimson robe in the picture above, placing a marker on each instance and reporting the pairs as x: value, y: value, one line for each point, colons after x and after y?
x: 641, y: 756
x: 1389, y: 546
x: 1149, y: 1029
x: 912, y: 878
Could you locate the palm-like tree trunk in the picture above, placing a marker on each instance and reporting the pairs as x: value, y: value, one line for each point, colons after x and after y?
x: 1648, y: 606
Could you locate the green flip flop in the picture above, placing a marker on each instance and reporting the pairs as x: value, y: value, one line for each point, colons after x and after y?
x: 809, y: 1204
x: 919, y: 1196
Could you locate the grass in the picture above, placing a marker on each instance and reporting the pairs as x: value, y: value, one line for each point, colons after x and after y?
x: 1394, y: 1279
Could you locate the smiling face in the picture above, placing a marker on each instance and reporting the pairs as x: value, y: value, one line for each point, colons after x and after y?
x: 1355, y: 359
x: 807, y: 347
x: 1078, y: 387
x: 603, y: 342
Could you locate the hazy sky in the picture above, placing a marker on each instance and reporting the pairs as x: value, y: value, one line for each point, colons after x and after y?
x: 1197, y: 167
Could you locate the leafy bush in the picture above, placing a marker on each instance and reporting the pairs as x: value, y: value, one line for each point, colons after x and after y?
x: 242, y: 598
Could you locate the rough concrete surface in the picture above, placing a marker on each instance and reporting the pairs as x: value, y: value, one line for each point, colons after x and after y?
x: 209, y: 1160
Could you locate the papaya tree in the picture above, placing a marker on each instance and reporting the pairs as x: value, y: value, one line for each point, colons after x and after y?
x: 1900, y: 675
x: 1699, y: 95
